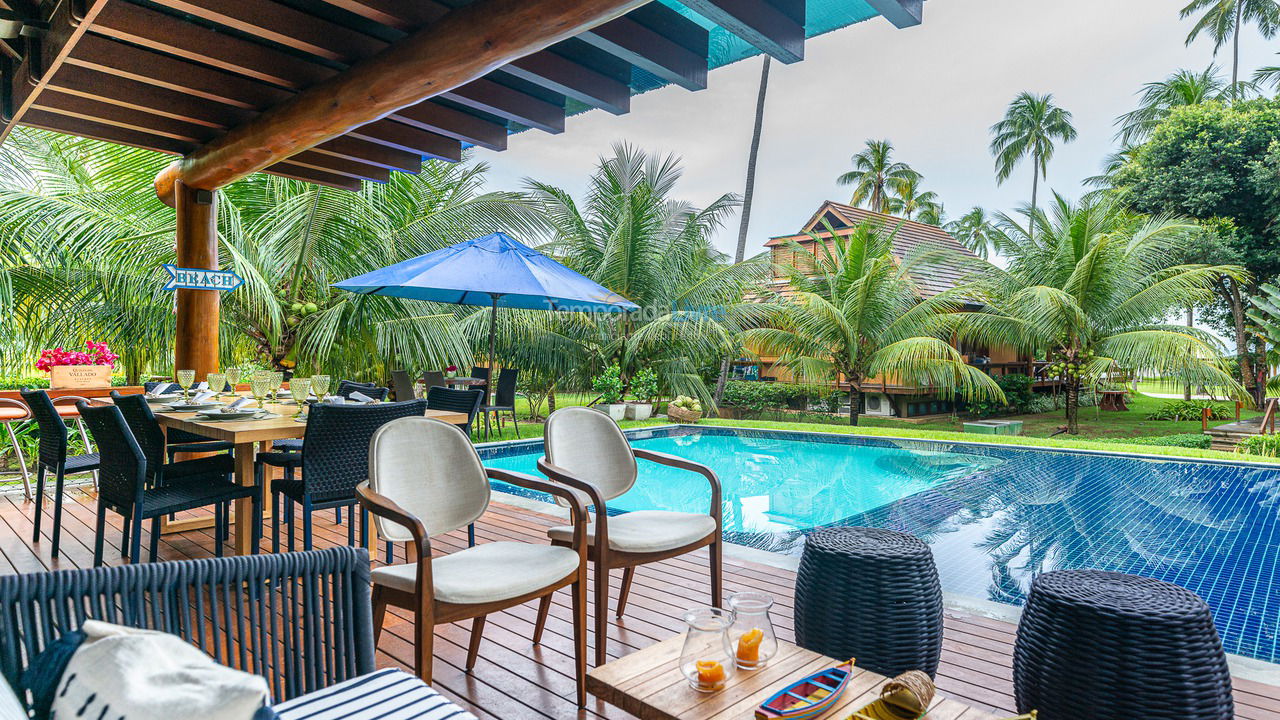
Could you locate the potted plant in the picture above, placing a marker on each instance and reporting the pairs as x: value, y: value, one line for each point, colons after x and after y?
x: 685, y: 409
x: 644, y: 388
x: 70, y: 369
x: 609, y: 385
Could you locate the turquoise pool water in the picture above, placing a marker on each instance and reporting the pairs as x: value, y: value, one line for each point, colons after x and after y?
x: 772, y: 485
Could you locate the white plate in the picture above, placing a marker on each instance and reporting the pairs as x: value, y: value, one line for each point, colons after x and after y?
x: 219, y: 417
x: 167, y: 397
x: 193, y: 407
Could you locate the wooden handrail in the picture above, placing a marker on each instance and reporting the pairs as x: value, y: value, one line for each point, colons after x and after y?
x: 1269, y: 417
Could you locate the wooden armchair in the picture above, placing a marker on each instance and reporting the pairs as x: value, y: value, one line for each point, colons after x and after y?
x: 426, y: 479
x: 588, y: 453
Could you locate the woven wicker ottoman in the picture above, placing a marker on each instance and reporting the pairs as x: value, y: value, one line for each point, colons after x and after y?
x: 1096, y: 644
x: 870, y: 594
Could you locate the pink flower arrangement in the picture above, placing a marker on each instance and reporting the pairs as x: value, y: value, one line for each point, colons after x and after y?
x: 451, y: 368
x: 98, y: 354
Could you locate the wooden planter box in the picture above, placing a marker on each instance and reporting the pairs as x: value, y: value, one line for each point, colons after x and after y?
x: 75, y: 377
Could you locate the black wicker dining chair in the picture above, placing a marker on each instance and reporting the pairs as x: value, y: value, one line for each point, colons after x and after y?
x: 481, y: 373
x: 402, y: 385
x: 53, y: 458
x: 432, y: 379
x: 134, y: 482
x: 459, y: 401
x: 334, y: 459
x: 504, y: 402
x: 302, y: 620
x: 182, y: 441
x: 347, y: 387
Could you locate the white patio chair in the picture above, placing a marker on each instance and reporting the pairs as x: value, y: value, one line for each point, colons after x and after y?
x: 425, y: 479
x: 587, y: 452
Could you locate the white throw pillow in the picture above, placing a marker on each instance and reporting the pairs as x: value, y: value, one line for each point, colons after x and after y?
x: 132, y: 674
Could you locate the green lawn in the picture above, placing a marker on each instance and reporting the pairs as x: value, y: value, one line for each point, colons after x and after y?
x: 1098, y: 430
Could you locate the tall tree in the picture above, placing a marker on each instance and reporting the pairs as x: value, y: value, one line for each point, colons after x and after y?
x: 857, y: 314
x: 1030, y: 127
x: 634, y: 237
x: 910, y: 199
x: 1224, y: 19
x: 977, y: 232
x: 875, y: 175
x: 748, y: 196
x: 1090, y: 289
x: 1156, y: 100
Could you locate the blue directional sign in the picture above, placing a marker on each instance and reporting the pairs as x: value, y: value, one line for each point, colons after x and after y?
x: 198, y: 279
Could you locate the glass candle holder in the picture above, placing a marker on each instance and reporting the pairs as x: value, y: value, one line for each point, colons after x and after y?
x: 750, y: 639
x: 704, y: 660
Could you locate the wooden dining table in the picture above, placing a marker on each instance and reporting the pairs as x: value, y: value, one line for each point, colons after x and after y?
x: 248, y: 436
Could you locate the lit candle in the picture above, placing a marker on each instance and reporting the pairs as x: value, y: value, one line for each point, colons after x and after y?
x: 749, y: 647
x: 710, y: 674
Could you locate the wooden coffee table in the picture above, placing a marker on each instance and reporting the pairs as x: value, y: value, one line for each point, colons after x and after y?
x: 649, y: 685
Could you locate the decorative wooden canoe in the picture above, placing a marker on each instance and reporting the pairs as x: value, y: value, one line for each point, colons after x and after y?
x: 807, y: 698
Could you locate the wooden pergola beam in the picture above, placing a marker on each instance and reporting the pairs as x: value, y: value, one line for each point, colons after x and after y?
x: 465, y: 45
x: 902, y: 13
x: 775, y: 27
x: 656, y: 52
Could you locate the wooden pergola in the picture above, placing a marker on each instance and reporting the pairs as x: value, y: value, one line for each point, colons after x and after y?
x: 338, y: 92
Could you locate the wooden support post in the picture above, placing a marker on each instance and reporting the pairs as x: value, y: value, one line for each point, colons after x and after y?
x: 196, y: 341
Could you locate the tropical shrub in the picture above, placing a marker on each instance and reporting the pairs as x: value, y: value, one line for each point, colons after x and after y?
x: 1266, y: 445
x: 1190, y: 410
x: 644, y: 386
x: 1187, y: 440
x: 1039, y: 403
x: 610, y: 386
x: 1017, y: 394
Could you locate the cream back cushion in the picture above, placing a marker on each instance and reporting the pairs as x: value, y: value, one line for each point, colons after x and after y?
x: 430, y: 469
x: 591, y: 446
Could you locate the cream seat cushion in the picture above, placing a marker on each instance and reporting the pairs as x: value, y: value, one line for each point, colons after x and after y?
x: 486, y: 573
x: 646, y: 531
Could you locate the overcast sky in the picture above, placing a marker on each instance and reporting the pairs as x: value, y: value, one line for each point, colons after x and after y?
x: 934, y: 90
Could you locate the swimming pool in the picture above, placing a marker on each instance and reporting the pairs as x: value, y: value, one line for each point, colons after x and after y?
x: 993, y: 515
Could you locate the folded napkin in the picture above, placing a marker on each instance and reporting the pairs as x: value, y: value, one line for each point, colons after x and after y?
x: 160, y: 389
x: 201, y: 397
x: 360, y: 397
x: 235, y: 404
x: 202, y: 385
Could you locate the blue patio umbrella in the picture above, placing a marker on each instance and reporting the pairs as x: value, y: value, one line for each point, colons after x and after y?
x: 496, y: 271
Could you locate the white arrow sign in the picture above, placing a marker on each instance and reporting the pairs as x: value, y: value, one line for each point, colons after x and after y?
x: 197, y: 279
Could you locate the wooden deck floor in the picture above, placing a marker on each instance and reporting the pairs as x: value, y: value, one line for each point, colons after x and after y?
x: 514, y: 680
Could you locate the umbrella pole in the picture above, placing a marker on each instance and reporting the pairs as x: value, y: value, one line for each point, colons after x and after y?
x: 493, y: 324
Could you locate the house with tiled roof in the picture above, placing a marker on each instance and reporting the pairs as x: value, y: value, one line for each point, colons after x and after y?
x: 884, y: 396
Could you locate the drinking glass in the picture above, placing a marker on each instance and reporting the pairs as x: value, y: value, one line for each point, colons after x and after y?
x: 320, y: 386
x: 750, y: 640
x: 259, y: 386
x: 300, y: 388
x: 704, y: 661
x: 277, y: 381
x: 217, y: 381
x: 233, y: 379
x: 185, y: 379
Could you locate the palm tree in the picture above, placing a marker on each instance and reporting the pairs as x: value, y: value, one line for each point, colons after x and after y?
x: 1224, y: 19
x: 977, y: 232
x: 1157, y: 100
x: 908, y: 199
x: 858, y: 315
x: 84, y: 238
x: 1030, y: 126
x: 875, y: 175
x: 632, y: 236
x: 1090, y: 289
x: 933, y: 214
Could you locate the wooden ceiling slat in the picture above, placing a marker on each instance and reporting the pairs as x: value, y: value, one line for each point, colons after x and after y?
x: 311, y: 175
x: 497, y: 99
x: 403, y: 16
x: 562, y: 75
x: 339, y: 166
x: 123, y: 91
x: 902, y: 13
x: 284, y: 25
x: 168, y: 34
x: 398, y: 135
x: 652, y: 51
x: 775, y: 27
x: 453, y: 123
x: 115, y: 58
x: 64, y: 104
x: 30, y: 77
x: 45, y: 120
x: 372, y: 154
